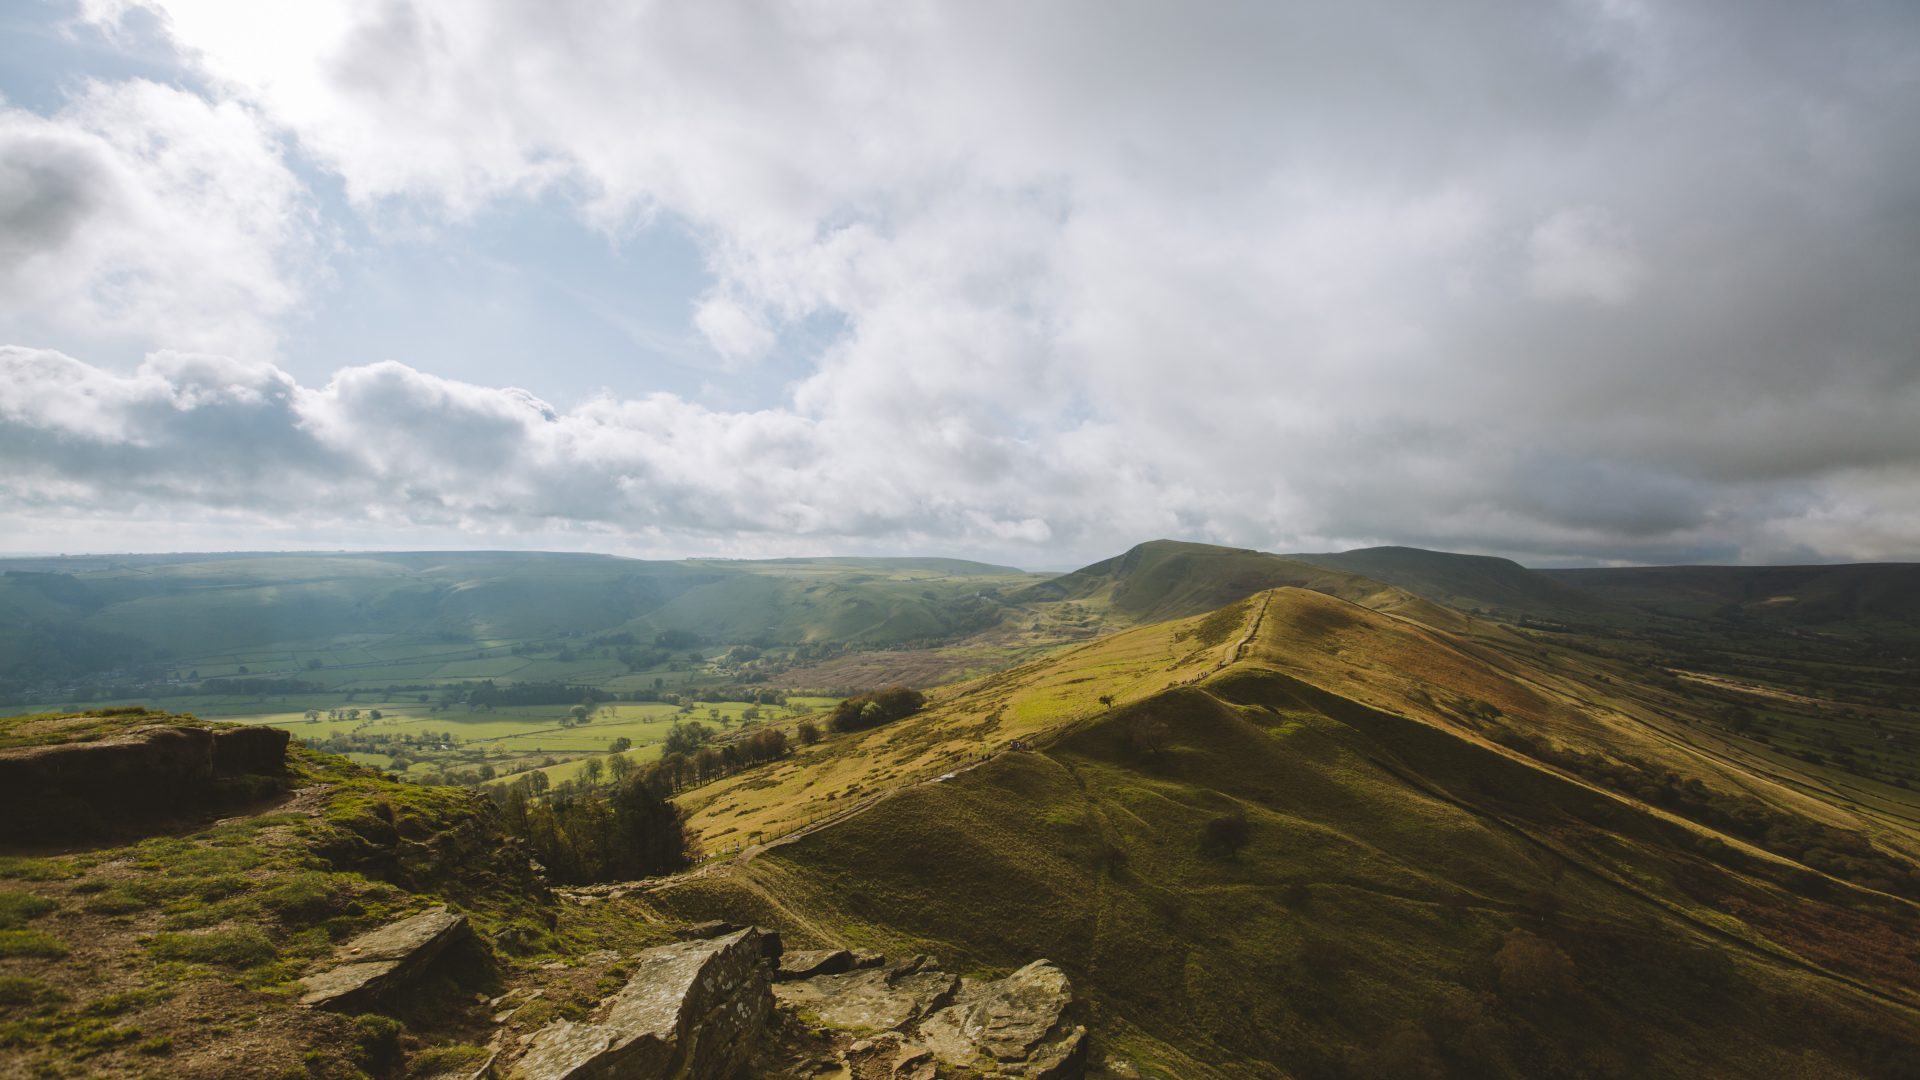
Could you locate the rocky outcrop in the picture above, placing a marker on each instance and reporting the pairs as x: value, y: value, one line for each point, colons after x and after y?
x: 879, y: 999
x: 379, y: 961
x: 911, y: 1022
x: 251, y: 750
x: 1025, y: 1022
x: 155, y: 771
x: 812, y: 962
x: 692, y: 1009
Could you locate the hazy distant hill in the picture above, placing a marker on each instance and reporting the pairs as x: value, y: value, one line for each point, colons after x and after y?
x: 1852, y: 598
x: 62, y: 616
x: 1500, y: 587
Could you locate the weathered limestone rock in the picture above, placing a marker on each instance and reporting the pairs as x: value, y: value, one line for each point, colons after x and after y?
x: 883, y: 999
x: 1024, y: 1025
x: 382, y: 959
x: 75, y: 788
x: 888, y: 1056
x: 691, y: 1009
x: 812, y: 962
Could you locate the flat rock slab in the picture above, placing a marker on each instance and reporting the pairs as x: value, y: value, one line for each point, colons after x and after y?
x: 370, y: 964
x: 1023, y: 1024
x: 887, y: 999
x: 712, y: 928
x: 812, y: 962
x: 691, y: 1009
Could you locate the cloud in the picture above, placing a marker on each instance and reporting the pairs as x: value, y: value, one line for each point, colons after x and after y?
x: 1574, y: 279
x: 148, y: 212
x: 1581, y: 254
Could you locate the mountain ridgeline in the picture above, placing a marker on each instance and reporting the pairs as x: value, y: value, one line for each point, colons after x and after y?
x: 1196, y: 812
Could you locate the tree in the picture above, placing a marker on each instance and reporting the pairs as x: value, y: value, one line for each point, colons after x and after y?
x: 809, y: 732
x: 1150, y: 737
x: 685, y: 738
x: 592, y: 770
x: 578, y: 714
x: 620, y: 745
x: 880, y: 707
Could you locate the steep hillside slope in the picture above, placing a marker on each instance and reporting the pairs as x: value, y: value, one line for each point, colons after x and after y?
x: 1456, y: 856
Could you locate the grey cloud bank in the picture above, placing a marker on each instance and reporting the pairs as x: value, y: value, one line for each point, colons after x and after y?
x: 1579, y: 281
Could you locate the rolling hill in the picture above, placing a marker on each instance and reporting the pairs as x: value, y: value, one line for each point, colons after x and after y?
x: 1170, y: 579
x: 1863, y: 599
x: 1498, y: 587
x: 1464, y: 856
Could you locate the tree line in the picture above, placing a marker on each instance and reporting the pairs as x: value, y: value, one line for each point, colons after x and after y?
x: 880, y: 707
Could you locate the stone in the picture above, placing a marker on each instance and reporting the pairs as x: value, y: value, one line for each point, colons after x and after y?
x: 864, y: 960
x: 880, y: 999
x: 692, y: 1009
x: 373, y: 963
x: 888, y: 1056
x: 712, y: 928
x: 1025, y: 1023
x: 812, y: 962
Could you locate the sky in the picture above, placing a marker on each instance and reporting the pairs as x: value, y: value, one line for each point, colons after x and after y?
x: 1576, y: 282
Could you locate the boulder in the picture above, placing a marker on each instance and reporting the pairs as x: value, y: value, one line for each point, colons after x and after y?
x: 691, y: 1009
x: 880, y: 999
x: 812, y: 962
x: 377, y: 961
x: 1025, y: 1024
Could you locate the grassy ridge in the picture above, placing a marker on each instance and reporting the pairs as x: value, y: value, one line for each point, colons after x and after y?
x: 1168, y: 579
x: 1500, y: 587
x: 1418, y: 897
